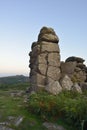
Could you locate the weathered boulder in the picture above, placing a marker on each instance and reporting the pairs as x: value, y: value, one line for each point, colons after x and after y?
x: 75, y: 69
x: 48, y: 35
x: 76, y: 88
x: 66, y: 83
x: 54, y: 87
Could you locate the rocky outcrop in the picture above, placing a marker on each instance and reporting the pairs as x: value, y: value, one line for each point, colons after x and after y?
x: 45, y: 60
x: 48, y: 72
x: 75, y: 69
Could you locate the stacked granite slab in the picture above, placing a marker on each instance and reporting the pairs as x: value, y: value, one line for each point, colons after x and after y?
x: 75, y: 68
x: 45, y: 60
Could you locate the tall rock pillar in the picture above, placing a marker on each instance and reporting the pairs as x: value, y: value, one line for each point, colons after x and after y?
x: 44, y: 59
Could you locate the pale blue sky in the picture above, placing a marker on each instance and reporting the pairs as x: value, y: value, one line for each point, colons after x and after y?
x: 21, y: 21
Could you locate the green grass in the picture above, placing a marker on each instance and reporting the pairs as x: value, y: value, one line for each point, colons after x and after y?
x: 15, y: 106
x: 71, y: 107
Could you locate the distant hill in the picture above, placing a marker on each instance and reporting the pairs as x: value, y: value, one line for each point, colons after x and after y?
x: 14, y: 79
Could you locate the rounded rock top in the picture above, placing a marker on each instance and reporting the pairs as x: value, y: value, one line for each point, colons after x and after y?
x: 73, y: 58
x: 48, y: 35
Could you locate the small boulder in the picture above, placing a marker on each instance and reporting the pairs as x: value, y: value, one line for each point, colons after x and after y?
x: 66, y: 83
x: 54, y: 87
x: 18, y: 121
x: 76, y: 88
x: 52, y: 126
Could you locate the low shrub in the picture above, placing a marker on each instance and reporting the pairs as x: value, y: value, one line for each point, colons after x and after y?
x: 69, y: 105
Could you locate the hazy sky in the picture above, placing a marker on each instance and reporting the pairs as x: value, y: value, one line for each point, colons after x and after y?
x: 21, y: 21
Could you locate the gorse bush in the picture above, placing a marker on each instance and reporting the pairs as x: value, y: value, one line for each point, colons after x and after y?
x: 68, y: 105
x: 75, y: 110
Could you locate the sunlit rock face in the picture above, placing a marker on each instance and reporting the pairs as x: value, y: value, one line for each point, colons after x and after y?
x: 45, y: 60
